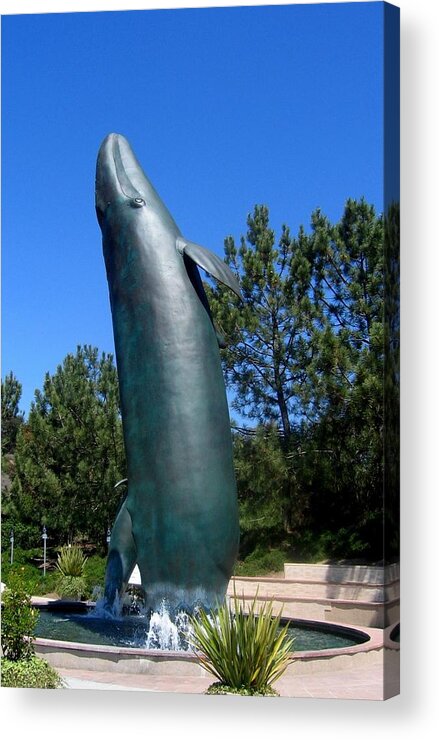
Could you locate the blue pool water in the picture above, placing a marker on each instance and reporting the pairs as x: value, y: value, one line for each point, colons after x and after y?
x: 139, y: 632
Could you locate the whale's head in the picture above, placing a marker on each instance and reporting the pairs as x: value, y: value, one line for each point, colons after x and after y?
x: 139, y: 233
x: 122, y: 188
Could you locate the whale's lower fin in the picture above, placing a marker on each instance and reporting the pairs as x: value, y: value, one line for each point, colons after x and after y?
x: 122, y: 557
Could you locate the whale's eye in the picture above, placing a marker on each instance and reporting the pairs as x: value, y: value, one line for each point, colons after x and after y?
x: 137, y: 202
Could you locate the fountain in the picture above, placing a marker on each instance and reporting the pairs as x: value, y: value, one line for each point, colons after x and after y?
x: 179, y: 519
x: 162, y: 631
x: 134, y: 644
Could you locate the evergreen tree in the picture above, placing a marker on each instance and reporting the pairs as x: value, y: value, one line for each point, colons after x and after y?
x: 267, y: 350
x: 347, y: 288
x: 306, y: 353
x: 272, y: 497
x: 70, y: 453
x: 12, y: 417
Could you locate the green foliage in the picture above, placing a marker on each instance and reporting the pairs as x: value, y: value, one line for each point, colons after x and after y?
x: 26, y: 534
x: 273, y: 501
x: 18, y: 622
x: 262, y: 562
x: 83, y: 585
x: 71, y: 561
x: 25, y: 567
x: 34, y: 673
x: 312, y: 356
x: 244, y: 651
x: 266, y: 356
x: 71, y: 566
x: 312, y: 361
x: 95, y: 572
x: 72, y: 587
x: 70, y: 453
x: 11, y: 416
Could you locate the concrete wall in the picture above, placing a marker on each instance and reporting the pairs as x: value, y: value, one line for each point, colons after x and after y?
x: 138, y: 661
x: 361, y: 595
x: 117, y: 660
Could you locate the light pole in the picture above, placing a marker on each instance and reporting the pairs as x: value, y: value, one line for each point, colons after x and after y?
x: 11, y: 540
x: 44, y: 549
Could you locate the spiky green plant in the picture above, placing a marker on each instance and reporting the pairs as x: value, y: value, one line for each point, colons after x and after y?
x: 247, y: 652
x: 71, y: 561
x: 71, y: 580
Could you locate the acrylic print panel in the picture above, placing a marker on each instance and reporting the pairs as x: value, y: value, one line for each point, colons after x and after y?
x: 201, y: 388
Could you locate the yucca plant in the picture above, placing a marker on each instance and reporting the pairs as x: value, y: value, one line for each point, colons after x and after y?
x: 71, y: 564
x: 71, y: 561
x: 247, y: 652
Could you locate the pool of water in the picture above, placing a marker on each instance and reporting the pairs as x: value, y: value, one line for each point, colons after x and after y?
x: 138, y: 632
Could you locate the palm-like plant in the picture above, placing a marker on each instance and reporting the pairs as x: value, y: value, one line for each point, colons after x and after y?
x: 71, y: 564
x: 247, y: 652
x: 71, y: 561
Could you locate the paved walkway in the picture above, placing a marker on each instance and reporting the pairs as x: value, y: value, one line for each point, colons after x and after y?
x: 362, y: 683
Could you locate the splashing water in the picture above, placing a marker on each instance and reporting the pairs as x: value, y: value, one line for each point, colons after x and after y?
x: 164, y: 629
x: 101, y: 610
x: 167, y: 633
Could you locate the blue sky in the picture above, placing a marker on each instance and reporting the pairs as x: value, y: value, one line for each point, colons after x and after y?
x: 224, y: 107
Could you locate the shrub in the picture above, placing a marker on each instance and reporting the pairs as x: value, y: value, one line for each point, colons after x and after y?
x: 71, y: 566
x: 95, y: 572
x: 18, y: 622
x: 26, y: 566
x: 33, y: 673
x: 261, y: 562
x: 19, y: 665
x: 246, y: 652
x: 71, y: 561
x: 72, y: 587
x: 26, y: 535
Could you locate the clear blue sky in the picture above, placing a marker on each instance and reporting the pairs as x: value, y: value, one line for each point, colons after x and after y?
x: 225, y: 108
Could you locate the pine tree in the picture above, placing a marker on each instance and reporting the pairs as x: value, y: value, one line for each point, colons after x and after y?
x: 307, y: 354
x: 12, y: 417
x: 267, y: 351
x: 349, y: 286
x: 70, y: 452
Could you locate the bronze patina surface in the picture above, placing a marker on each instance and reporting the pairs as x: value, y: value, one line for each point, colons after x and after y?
x: 179, y: 521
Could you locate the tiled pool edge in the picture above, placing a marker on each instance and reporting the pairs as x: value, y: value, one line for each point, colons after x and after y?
x: 62, y: 654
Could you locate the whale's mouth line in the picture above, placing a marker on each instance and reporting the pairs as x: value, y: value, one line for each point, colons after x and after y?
x: 123, y: 179
x: 117, y: 174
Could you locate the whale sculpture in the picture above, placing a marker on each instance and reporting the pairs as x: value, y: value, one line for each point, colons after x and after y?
x: 179, y: 520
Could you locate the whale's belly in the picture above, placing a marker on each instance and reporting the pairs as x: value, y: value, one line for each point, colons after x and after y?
x: 181, y: 490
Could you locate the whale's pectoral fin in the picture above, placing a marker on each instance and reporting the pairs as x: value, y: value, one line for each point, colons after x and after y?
x: 194, y: 277
x: 212, y: 264
x: 122, y: 557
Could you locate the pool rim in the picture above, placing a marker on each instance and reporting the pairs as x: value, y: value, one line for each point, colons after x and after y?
x: 374, y: 638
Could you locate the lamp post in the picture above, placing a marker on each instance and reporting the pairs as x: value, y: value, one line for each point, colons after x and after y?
x: 11, y: 540
x: 44, y: 549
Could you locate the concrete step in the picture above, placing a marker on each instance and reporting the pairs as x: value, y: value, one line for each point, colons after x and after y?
x: 290, y: 589
x: 361, y: 595
x: 359, y: 574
